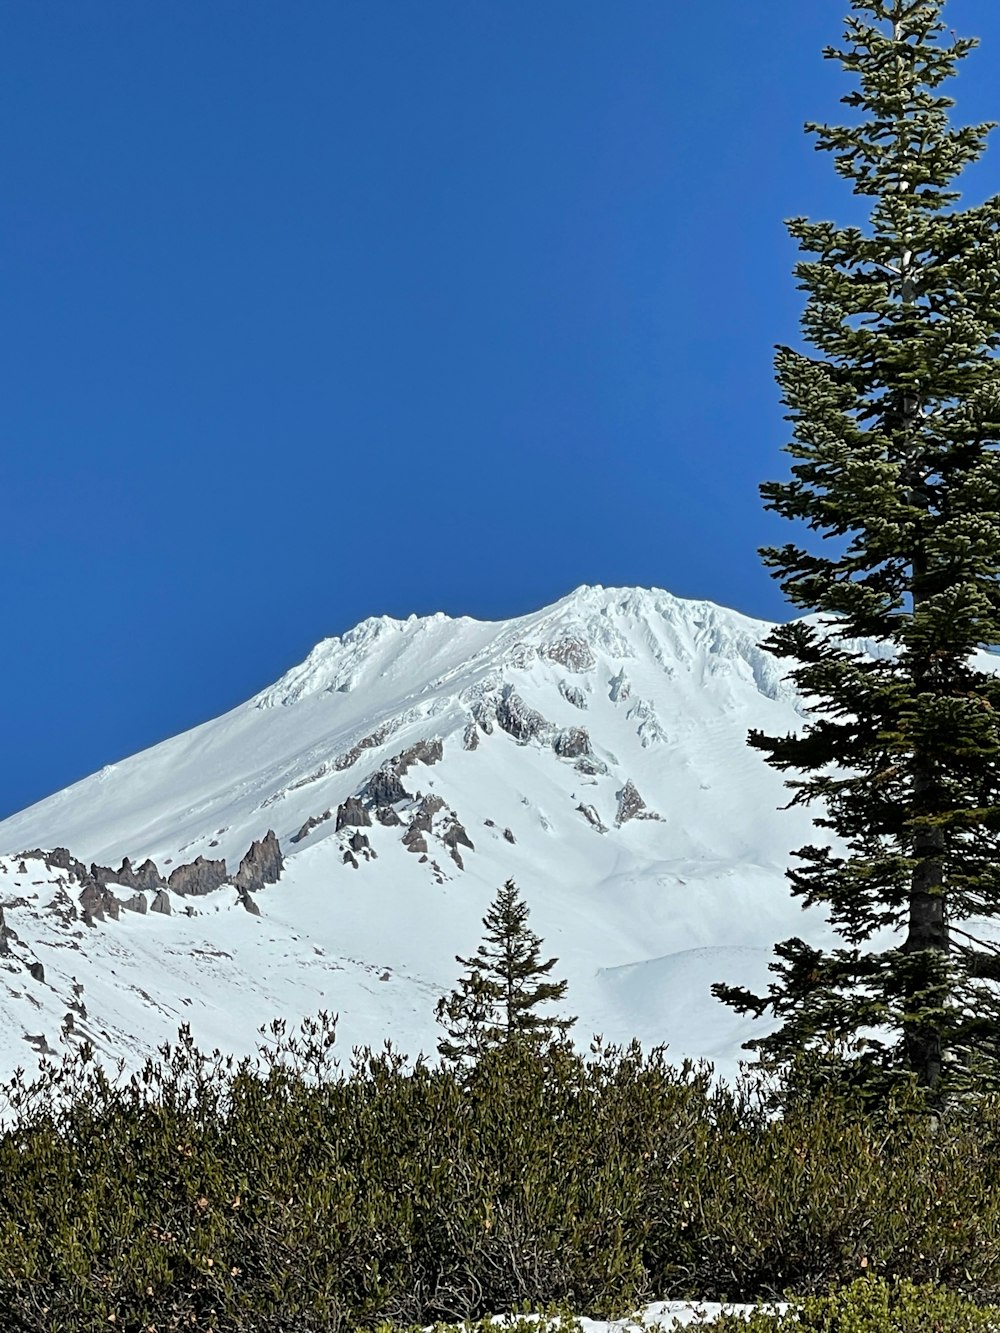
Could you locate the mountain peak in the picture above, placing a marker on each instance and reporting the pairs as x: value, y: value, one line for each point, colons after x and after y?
x: 593, y: 750
x: 389, y: 681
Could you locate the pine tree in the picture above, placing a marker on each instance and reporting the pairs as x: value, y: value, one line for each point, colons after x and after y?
x: 895, y: 424
x: 499, y: 998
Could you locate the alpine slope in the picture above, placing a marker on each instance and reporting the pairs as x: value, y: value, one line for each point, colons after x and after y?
x: 333, y: 843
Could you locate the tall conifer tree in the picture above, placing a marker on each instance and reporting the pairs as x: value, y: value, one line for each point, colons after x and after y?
x: 895, y: 425
x: 503, y: 995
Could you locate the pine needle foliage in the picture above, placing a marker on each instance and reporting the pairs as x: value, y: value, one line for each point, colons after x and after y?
x: 895, y: 423
x: 502, y: 996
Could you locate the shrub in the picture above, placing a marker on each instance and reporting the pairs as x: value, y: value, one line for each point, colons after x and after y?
x: 871, y: 1306
x: 287, y: 1194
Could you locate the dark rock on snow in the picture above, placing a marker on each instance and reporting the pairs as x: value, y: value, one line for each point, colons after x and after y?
x: 592, y: 818
x: 424, y: 752
x: 246, y: 898
x: 572, y: 743
x: 262, y: 864
x: 573, y: 694
x: 199, y: 877
x: 146, y: 876
x: 573, y: 654
x: 96, y: 902
x: 384, y: 788
x: 631, y: 805
x: 312, y: 822
x: 352, y: 814
x: 517, y: 718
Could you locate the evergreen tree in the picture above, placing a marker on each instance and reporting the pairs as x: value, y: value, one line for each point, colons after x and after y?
x: 499, y: 998
x: 895, y: 424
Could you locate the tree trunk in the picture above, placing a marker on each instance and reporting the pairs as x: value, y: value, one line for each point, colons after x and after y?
x: 928, y: 937
x: 927, y: 941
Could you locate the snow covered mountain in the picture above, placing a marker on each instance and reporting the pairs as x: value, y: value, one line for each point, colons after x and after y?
x: 593, y: 751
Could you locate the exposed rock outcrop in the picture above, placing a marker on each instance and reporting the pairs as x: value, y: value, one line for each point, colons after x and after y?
x: 423, y: 752
x: 484, y: 712
x: 161, y: 903
x: 423, y: 815
x: 470, y: 741
x: 592, y: 818
x: 421, y: 823
x: 573, y: 694
x: 619, y: 687
x: 352, y: 814
x: 517, y: 718
x: 98, y: 902
x: 246, y: 898
x: 59, y: 858
x: 453, y: 835
x: 312, y: 822
x: 631, y: 805
x: 63, y: 907
x: 590, y: 766
x: 199, y: 877
x: 384, y: 788
x: 414, y: 840
x: 357, y: 849
x: 378, y: 737
x: 649, y: 729
x: 146, y: 876
x: 571, y: 743
x: 522, y: 655
x: 572, y: 653
x: 262, y: 864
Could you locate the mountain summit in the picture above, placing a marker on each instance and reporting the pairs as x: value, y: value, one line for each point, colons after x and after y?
x: 593, y: 751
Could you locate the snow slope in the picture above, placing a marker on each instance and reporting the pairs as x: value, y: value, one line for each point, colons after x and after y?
x: 594, y: 751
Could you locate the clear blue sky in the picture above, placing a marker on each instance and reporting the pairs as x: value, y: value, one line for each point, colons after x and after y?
x: 325, y: 309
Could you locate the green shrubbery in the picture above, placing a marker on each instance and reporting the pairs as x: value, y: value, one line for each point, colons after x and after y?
x: 290, y: 1196
x: 871, y: 1307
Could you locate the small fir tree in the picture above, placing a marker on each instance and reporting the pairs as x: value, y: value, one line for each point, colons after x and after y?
x: 499, y: 998
x: 895, y: 421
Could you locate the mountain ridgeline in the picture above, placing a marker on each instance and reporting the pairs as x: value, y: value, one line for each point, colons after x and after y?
x: 594, y: 752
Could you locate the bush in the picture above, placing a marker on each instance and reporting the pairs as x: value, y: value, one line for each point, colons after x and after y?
x: 286, y: 1194
x: 871, y: 1307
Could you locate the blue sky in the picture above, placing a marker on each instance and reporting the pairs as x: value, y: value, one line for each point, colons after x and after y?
x: 320, y: 310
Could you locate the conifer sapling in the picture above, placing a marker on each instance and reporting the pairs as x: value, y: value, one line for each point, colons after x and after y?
x: 501, y: 996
